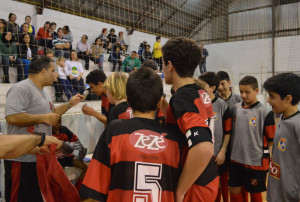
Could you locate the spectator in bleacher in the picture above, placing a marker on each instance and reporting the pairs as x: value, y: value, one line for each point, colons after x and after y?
x: 12, y: 26
x: 68, y: 34
x: 44, y: 37
x: 116, y: 58
x: 31, y: 29
x: 2, y: 27
x: 112, y: 38
x: 75, y: 71
x: 146, y: 55
x: 65, y: 84
x: 121, y: 42
x: 157, y: 54
x: 8, y: 51
x: 204, y: 54
x: 27, y: 51
x: 83, y: 51
x: 105, y: 41
x: 53, y: 33
x: 131, y: 63
x: 24, y: 28
x: 142, y: 48
x: 61, y: 46
x: 97, y: 55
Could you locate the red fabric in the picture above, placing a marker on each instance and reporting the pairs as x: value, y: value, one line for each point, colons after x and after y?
x: 54, y: 184
x: 78, y: 184
x: 219, y: 195
x: 43, y: 34
x: 224, y: 186
x: 236, y: 197
x: 256, y: 197
x: 15, y: 175
x: 245, y: 194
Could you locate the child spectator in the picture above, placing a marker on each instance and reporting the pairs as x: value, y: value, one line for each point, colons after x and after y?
x: 83, y: 50
x: 44, y: 37
x: 61, y: 45
x: 224, y: 90
x: 116, y: 58
x: 189, y: 113
x: 75, y: 71
x: 105, y: 41
x: 222, y: 128
x: 157, y: 55
x: 27, y: 51
x: 122, y: 43
x: 128, y: 168
x: 131, y: 63
x: 12, y: 26
x: 64, y: 134
x: 146, y: 55
x: 112, y: 37
x: 97, y: 55
x: 254, y: 129
x: 96, y: 81
x: 8, y: 52
x: 31, y: 29
x: 283, y: 180
x: 115, y: 86
x: 62, y: 71
x: 142, y: 48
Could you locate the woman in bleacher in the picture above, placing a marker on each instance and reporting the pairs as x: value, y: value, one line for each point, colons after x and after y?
x: 44, y: 37
x: 12, y: 26
x: 27, y: 51
x: 8, y: 51
x: 122, y: 43
x: 68, y: 35
x: 75, y: 73
x: 105, y: 41
x: 97, y: 55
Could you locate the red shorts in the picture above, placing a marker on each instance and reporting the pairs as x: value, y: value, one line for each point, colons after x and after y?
x: 207, y: 193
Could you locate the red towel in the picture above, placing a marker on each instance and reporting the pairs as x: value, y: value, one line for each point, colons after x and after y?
x: 54, y: 184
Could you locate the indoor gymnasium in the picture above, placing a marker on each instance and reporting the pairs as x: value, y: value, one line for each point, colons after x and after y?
x: 149, y: 101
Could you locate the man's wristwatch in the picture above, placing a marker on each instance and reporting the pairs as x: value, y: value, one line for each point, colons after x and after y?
x: 43, y: 138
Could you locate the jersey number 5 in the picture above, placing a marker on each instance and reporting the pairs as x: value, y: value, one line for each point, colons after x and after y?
x: 146, y: 183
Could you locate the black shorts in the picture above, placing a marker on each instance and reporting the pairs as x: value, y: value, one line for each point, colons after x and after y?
x: 21, y: 182
x: 223, y: 168
x: 66, y: 161
x: 254, y: 181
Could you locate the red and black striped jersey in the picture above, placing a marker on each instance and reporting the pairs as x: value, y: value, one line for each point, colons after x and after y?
x: 65, y: 135
x: 160, y: 116
x: 135, y: 160
x: 189, y: 113
x: 105, y: 105
x: 120, y: 111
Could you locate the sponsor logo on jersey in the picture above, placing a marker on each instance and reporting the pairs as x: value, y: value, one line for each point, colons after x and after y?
x: 274, y: 169
x: 252, y: 121
x: 215, y: 116
x: 148, y: 141
x: 282, y: 144
x: 254, y: 182
x: 207, y: 102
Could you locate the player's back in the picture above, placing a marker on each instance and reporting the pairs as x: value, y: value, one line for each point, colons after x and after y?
x: 120, y: 111
x: 135, y: 159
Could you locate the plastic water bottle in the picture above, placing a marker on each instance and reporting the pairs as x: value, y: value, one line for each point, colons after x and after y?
x: 87, y: 117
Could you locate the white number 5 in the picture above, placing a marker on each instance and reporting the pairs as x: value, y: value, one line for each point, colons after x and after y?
x: 146, y: 178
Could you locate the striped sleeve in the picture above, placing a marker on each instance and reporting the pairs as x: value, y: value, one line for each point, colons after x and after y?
x: 97, y: 180
x: 269, y: 126
x: 227, y: 122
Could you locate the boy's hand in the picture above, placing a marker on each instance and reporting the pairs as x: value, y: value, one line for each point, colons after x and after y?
x: 88, y: 110
x: 220, y: 159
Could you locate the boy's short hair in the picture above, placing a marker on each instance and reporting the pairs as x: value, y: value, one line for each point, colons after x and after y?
x: 116, y: 84
x: 211, y: 78
x: 285, y: 84
x: 249, y: 80
x: 150, y: 64
x: 223, y: 76
x: 184, y: 54
x: 95, y: 76
x: 144, y: 90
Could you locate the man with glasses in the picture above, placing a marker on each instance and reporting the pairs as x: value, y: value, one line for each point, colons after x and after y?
x: 83, y: 51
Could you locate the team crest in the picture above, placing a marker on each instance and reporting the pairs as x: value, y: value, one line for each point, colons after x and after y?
x: 252, y: 121
x: 254, y: 182
x: 282, y: 144
x: 215, y: 116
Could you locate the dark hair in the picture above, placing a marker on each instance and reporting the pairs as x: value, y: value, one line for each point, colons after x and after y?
x: 27, y: 17
x: 112, y: 29
x: 47, y: 22
x: 285, y: 84
x: 86, y: 36
x: 97, y: 39
x: 59, y: 29
x: 134, y: 52
x: 4, y: 41
x: 158, y: 37
x: 39, y: 63
x: 211, y: 78
x: 10, y: 15
x: 249, y: 80
x: 184, y: 54
x: 52, y: 23
x: 95, y: 76
x: 24, y: 24
x: 144, y: 90
x: 150, y: 64
x: 223, y: 76
x: 66, y: 27
x: 3, y: 22
x: 148, y: 46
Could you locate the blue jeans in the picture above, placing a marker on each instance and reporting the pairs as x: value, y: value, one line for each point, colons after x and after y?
x: 99, y: 61
x: 26, y: 64
x: 78, y: 85
x: 62, y: 53
x: 5, y: 63
x: 67, y: 88
x: 202, y: 68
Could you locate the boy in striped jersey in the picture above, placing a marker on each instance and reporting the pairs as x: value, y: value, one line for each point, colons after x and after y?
x: 284, y: 178
x: 135, y: 159
x: 253, y: 133
x: 222, y: 130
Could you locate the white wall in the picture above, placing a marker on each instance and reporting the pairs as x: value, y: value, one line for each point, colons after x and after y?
x: 78, y: 25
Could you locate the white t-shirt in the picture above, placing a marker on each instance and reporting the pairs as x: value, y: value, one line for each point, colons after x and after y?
x: 74, y: 68
x: 62, y: 72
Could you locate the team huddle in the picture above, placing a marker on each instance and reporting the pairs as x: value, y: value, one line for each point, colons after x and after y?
x: 212, y: 143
